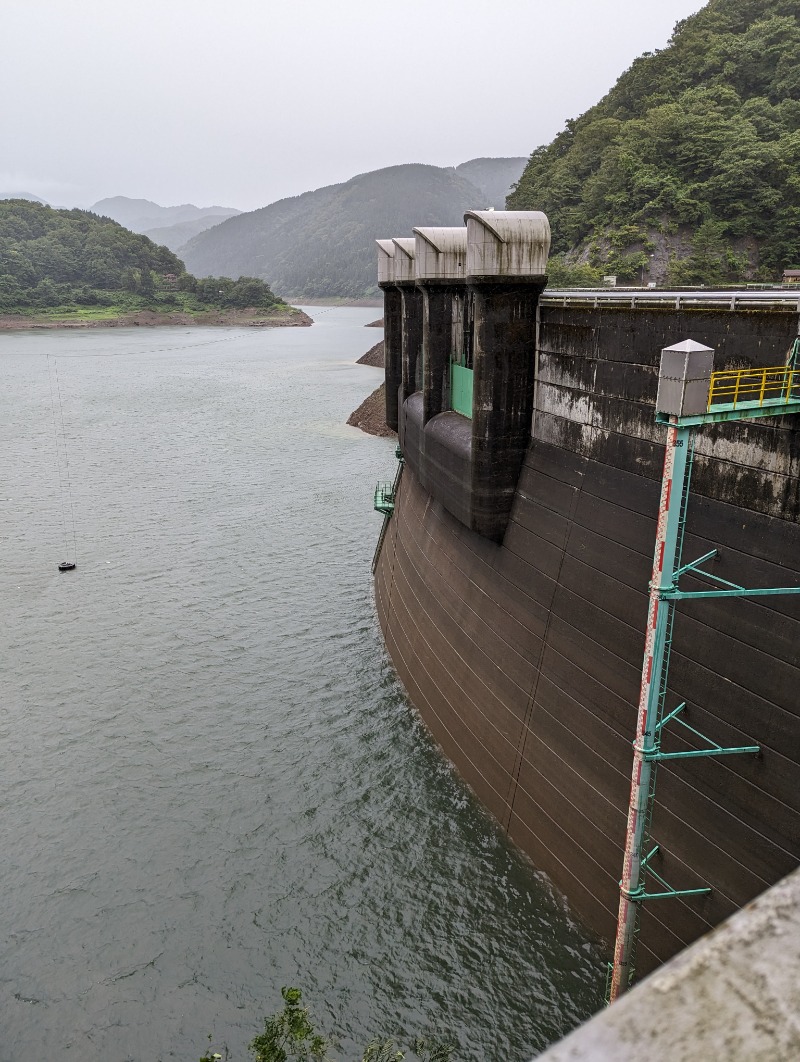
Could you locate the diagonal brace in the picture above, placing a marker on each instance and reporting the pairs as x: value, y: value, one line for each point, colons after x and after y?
x: 693, y: 564
x: 639, y: 895
x: 655, y: 754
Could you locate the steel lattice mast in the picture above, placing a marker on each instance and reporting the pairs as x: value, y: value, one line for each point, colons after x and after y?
x: 689, y: 396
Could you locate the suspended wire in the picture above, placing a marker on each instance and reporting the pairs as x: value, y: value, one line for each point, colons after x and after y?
x: 63, y: 437
x: 57, y: 452
x: 150, y: 350
x: 66, y: 460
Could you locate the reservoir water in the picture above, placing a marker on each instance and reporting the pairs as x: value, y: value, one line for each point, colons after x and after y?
x: 213, y: 785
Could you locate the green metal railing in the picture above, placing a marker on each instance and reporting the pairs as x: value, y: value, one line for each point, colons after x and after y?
x: 385, y: 494
x: 384, y: 499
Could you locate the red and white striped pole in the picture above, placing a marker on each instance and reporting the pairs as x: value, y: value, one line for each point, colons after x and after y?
x: 666, y: 546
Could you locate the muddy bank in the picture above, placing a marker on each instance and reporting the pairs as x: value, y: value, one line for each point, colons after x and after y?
x: 375, y: 324
x: 333, y: 300
x: 374, y: 356
x: 291, y: 318
x: 370, y: 416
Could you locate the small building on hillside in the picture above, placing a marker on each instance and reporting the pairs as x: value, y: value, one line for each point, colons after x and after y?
x: 791, y: 276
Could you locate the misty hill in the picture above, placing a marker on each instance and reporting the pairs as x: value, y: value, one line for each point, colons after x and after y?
x: 692, y: 157
x: 142, y: 215
x: 494, y: 177
x: 22, y: 195
x: 322, y: 243
x: 175, y: 236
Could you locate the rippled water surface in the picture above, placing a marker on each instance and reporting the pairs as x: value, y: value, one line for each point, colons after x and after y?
x: 213, y: 784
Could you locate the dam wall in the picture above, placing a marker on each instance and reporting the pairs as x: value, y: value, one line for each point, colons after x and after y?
x: 523, y: 654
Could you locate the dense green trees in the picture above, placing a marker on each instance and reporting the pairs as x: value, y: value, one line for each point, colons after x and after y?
x: 51, y: 258
x: 698, y: 144
x: 292, y: 1034
x: 227, y: 293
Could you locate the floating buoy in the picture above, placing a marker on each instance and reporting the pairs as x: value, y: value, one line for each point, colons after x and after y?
x: 67, y: 566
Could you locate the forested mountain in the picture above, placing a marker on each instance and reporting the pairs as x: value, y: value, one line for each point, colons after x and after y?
x: 51, y: 258
x: 689, y: 169
x: 322, y: 243
x: 47, y: 253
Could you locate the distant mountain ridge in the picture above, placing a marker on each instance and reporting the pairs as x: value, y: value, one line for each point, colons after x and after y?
x: 494, y: 177
x: 167, y: 226
x: 322, y: 243
x: 23, y: 195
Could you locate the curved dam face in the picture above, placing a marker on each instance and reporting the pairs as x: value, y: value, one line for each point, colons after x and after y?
x: 522, y: 647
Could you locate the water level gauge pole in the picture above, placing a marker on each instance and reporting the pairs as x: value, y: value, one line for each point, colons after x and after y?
x: 682, y: 368
x: 659, y: 623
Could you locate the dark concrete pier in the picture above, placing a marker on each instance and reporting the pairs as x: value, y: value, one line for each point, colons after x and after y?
x: 392, y: 329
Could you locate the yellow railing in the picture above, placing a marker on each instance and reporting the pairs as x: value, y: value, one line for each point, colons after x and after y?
x: 732, y: 387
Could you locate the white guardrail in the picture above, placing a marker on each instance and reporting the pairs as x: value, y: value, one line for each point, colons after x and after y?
x: 741, y: 299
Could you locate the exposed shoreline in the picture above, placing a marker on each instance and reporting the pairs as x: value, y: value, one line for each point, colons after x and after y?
x: 370, y: 416
x: 335, y: 300
x: 292, y: 318
x: 375, y: 356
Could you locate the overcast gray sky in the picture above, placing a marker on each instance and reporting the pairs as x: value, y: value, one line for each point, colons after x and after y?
x: 242, y: 102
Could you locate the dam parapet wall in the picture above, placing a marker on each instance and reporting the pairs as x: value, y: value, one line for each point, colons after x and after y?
x: 597, y: 377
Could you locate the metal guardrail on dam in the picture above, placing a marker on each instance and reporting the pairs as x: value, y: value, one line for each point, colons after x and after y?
x: 737, y: 388
x: 641, y: 298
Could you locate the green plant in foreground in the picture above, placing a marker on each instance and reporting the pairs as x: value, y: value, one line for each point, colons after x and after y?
x: 426, y: 1051
x: 290, y: 1034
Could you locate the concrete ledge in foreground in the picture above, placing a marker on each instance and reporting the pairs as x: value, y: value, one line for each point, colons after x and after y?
x: 733, y: 995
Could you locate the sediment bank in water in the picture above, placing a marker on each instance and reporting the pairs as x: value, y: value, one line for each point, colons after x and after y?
x: 370, y: 416
x: 291, y: 318
x: 374, y: 356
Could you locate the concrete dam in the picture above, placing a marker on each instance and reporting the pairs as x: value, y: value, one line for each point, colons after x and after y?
x: 513, y: 571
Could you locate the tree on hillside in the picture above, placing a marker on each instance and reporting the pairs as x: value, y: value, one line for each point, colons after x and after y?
x: 701, y: 137
x: 53, y: 258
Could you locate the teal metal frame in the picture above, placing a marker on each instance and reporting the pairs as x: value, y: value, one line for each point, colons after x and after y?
x: 384, y: 499
x: 383, y: 502
x: 652, y: 719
